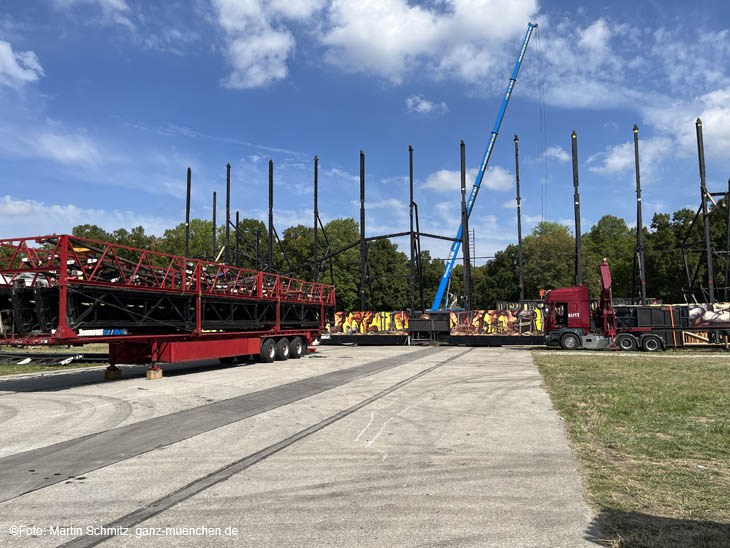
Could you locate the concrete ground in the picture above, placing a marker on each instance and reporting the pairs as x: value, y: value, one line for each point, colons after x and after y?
x: 352, y: 446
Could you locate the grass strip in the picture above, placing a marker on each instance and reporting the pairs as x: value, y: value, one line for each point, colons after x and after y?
x: 652, y: 436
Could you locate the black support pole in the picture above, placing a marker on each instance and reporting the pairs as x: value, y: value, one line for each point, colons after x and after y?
x: 519, y: 216
x: 412, y: 236
x: 465, y: 231
x: 271, y: 216
x: 214, y: 206
x: 705, y: 217
x: 316, y: 219
x: 727, y: 240
x: 576, y: 204
x: 639, y: 221
x: 363, y: 245
x: 258, y: 249
x: 236, y: 236
x: 187, y: 217
x: 228, y: 214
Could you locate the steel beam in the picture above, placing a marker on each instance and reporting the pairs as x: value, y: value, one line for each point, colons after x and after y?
x: 363, y: 245
x: 519, y: 216
x: 639, y: 221
x: 187, y: 216
x: 412, y: 237
x: 465, y: 231
x: 316, y: 218
x: 705, y: 213
x: 270, y: 266
x: 228, y: 214
x: 576, y: 206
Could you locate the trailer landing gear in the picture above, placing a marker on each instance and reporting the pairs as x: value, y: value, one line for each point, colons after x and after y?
x: 154, y: 372
x: 112, y: 373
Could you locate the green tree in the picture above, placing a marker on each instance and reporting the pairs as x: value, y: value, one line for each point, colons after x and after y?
x: 611, y: 239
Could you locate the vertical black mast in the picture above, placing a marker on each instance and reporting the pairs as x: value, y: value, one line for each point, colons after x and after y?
x: 639, y: 221
x: 270, y: 267
x: 519, y: 215
x: 705, y: 218
x: 412, y: 237
x: 727, y: 239
x: 465, y: 231
x: 237, y: 225
x: 187, y: 218
x: 316, y: 218
x: 228, y: 214
x: 576, y: 204
x: 363, y: 248
x: 212, y: 258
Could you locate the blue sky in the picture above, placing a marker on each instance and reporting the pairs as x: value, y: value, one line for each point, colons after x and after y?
x: 104, y: 104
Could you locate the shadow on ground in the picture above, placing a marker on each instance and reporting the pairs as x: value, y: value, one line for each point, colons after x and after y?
x: 618, y: 529
x: 60, y: 380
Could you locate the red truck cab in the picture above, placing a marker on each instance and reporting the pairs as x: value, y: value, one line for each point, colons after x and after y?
x: 569, y: 307
x: 568, y: 320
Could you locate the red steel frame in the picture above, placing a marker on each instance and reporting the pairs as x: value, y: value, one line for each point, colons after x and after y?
x: 65, y: 261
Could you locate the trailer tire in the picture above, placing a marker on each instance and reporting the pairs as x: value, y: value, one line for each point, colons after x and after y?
x: 282, y: 349
x: 296, y: 348
x: 651, y: 343
x: 268, y: 351
x: 569, y: 341
x: 626, y: 342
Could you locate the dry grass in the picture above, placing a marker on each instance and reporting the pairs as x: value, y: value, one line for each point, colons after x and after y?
x: 11, y: 369
x: 653, y: 438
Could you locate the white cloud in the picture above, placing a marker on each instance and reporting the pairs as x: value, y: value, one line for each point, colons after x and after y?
x: 51, y: 142
x: 557, y: 153
x: 595, y: 38
x: 113, y: 11
x: 17, y: 69
x: 337, y: 173
x: 498, y: 178
x: 620, y: 158
x: 416, y: 103
x: 67, y: 148
x: 21, y: 217
x: 258, y: 44
x: 677, y: 118
x: 392, y: 37
x: 445, y: 180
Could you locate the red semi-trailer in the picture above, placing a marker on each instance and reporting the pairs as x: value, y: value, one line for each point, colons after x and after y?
x: 572, y: 321
x: 152, y: 307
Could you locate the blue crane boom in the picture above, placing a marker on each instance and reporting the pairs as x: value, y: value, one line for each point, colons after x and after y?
x: 456, y: 245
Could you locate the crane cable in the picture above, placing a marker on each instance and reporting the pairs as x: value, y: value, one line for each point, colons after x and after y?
x: 542, y: 125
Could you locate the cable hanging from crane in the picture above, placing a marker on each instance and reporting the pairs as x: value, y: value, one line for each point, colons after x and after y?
x: 542, y: 127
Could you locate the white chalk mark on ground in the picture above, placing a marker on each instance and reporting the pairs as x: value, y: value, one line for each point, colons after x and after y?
x: 372, y: 417
x: 370, y: 443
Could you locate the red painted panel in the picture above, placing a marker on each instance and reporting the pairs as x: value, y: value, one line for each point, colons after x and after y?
x: 185, y: 351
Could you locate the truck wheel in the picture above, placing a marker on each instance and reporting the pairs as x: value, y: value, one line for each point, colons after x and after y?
x: 282, y: 349
x: 268, y: 351
x: 296, y: 348
x: 651, y: 343
x: 569, y: 341
x: 626, y: 342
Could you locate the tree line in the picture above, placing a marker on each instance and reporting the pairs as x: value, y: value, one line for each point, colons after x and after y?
x: 548, y: 258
